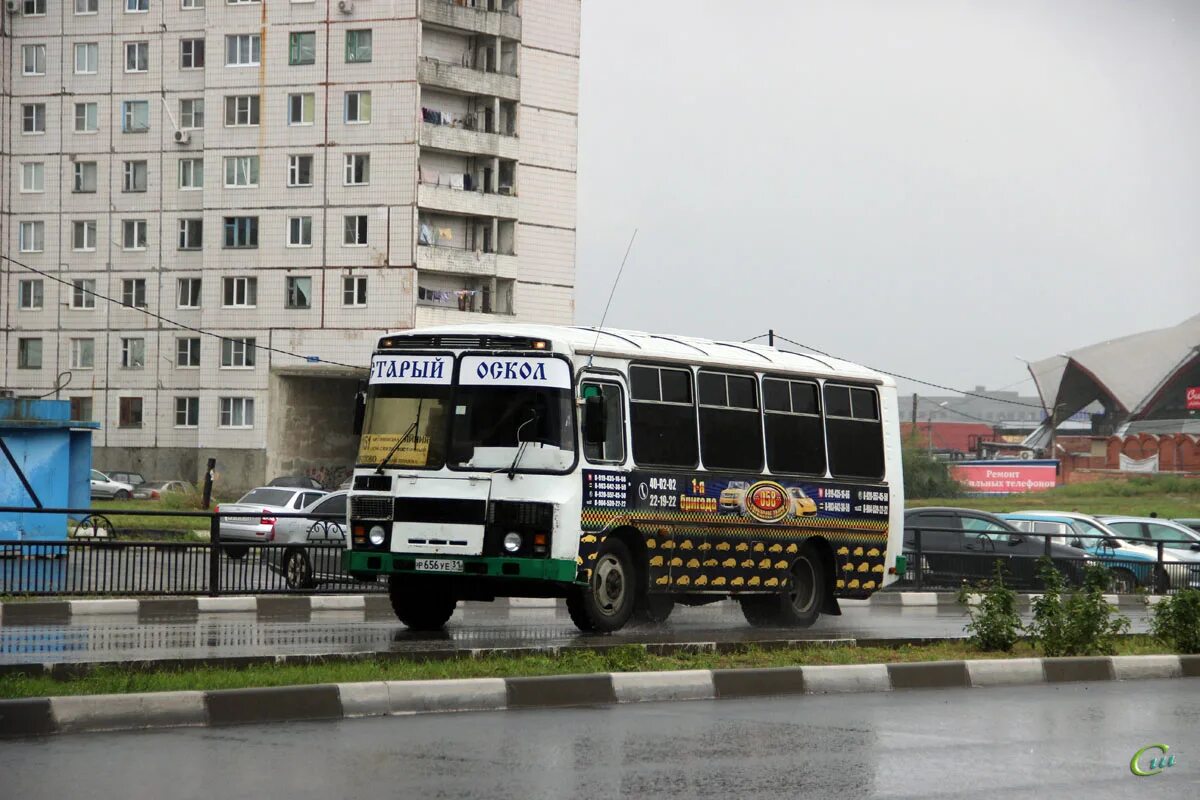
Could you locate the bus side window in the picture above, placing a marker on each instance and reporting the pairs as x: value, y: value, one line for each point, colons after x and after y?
x: 612, y: 449
x: 730, y: 425
x: 854, y: 431
x: 662, y: 416
x: 795, y: 440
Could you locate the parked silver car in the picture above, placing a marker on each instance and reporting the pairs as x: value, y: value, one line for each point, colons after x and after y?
x: 257, y: 524
x: 104, y: 487
x: 316, y: 554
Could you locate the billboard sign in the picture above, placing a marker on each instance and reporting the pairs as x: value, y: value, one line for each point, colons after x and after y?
x: 1193, y: 398
x: 1005, y: 476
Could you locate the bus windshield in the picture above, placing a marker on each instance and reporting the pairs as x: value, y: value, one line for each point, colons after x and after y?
x: 411, y: 418
x: 494, y: 424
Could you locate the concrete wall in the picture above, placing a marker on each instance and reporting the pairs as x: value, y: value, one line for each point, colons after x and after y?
x: 311, y: 428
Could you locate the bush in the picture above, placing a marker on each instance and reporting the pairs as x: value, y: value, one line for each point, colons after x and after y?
x: 995, y: 623
x: 1176, y: 621
x: 1083, y: 624
x: 926, y: 476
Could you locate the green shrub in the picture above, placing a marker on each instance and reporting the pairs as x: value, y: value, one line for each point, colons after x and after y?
x: 926, y: 476
x: 1176, y: 621
x: 995, y: 623
x: 1082, y: 624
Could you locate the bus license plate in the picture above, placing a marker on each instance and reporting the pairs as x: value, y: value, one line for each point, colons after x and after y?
x: 439, y: 565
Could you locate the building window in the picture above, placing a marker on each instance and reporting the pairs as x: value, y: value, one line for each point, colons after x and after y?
x: 299, y: 232
x: 81, y: 408
x: 135, y: 176
x: 239, y: 292
x: 191, y: 54
x: 299, y: 292
x: 191, y: 234
x: 358, y: 46
x: 236, y: 412
x: 33, y: 118
x: 87, y: 6
x: 87, y: 117
x: 300, y: 109
x: 358, y: 169
x: 133, y: 292
x: 187, y: 352
x: 241, y: 110
x: 135, y: 116
x: 83, y: 353
x: 33, y: 59
x: 83, y: 235
x: 85, y: 176
x: 137, y: 56
x: 188, y: 294
x: 133, y: 353
x: 33, y: 176
x: 241, y: 172
x: 192, y: 5
x: 302, y: 48
x: 358, y: 108
x: 299, y: 171
x: 83, y: 293
x: 29, y: 295
x: 137, y: 6
x: 191, y: 173
x: 241, y: 232
x: 29, y: 353
x: 87, y: 58
x: 354, y: 291
x: 129, y: 412
x: 191, y: 113
x: 33, y: 8
x: 133, y: 234
x: 237, y: 353
x: 243, y: 50
x: 32, y: 236
x: 187, y: 412
x: 356, y: 230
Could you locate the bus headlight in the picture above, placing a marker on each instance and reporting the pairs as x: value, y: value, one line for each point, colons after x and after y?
x: 512, y: 542
x: 377, y: 535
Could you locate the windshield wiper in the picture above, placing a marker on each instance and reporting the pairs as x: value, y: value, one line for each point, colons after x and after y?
x: 512, y: 469
x: 395, y: 447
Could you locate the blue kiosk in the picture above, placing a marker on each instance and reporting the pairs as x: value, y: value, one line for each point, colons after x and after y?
x: 45, y: 462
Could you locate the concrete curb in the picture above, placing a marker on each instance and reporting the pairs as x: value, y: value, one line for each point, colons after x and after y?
x: 301, y: 607
x: 44, y: 716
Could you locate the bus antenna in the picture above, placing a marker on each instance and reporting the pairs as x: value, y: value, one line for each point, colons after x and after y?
x: 612, y: 292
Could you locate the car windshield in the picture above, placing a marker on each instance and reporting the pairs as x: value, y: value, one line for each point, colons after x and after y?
x: 406, y: 424
x: 491, y: 423
x: 268, y: 497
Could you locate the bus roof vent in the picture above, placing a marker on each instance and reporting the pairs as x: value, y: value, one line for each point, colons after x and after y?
x: 462, y: 342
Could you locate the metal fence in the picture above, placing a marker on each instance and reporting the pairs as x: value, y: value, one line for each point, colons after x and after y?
x: 92, y: 558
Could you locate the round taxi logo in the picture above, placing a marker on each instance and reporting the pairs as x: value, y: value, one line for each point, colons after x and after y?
x: 767, y: 501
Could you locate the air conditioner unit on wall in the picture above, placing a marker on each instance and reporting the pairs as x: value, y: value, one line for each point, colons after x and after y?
x: 182, y: 137
x: 345, y: 6
x: 13, y: 6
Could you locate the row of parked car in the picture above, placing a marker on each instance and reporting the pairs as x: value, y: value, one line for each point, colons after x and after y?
x: 131, y: 485
x: 952, y: 541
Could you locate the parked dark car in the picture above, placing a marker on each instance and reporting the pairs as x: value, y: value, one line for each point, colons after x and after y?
x: 960, y: 544
x: 296, y: 482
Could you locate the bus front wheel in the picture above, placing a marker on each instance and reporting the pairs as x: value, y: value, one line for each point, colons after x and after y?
x: 420, y: 605
x: 605, y: 604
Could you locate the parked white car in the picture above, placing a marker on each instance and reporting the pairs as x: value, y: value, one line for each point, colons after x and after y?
x: 316, y: 554
x: 256, y: 524
x: 104, y: 487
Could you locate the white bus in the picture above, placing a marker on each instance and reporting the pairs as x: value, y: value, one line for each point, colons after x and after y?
x: 623, y: 471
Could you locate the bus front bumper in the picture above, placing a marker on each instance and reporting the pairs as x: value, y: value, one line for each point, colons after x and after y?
x: 365, y: 562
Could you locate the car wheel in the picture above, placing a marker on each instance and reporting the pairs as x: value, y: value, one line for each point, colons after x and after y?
x: 236, y: 550
x: 653, y: 609
x: 1123, y: 581
x: 606, y: 603
x: 121, y: 495
x: 297, y: 570
x: 421, y: 605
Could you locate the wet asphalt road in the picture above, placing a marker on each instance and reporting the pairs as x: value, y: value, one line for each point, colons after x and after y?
x: 474, y: 626
x: 1058, y: 741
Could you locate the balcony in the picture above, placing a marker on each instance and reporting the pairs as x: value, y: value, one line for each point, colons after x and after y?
x: 465, y: 262
x: 461, y: 140
x: 464, y: 80
x: 448, y: 14
x: 461, y: 201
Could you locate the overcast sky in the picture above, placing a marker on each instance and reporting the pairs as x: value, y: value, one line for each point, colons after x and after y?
x: 927, y: 187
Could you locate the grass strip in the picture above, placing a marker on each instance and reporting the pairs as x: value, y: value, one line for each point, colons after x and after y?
x: 623, y: 658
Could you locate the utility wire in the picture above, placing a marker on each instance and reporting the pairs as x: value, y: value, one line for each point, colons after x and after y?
x: 167, y: 320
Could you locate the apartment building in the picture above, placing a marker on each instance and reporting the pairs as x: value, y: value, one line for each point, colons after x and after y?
x: 287, y: 178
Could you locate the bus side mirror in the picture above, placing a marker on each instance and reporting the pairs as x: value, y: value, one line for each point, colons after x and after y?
x: 360, y: 411
x: 595, y: 420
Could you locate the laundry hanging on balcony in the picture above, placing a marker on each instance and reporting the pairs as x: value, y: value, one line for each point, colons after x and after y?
x: 425, y: 234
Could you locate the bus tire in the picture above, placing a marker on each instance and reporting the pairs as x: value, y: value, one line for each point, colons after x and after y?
x: 606, y: 602
x: 798, y: 606
x: 420, y: 605
x: 653, y: 609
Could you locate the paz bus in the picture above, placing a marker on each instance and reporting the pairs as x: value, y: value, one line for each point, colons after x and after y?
x: 625, y: 472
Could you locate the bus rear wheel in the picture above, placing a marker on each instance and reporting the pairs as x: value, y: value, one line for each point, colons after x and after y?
x: 606, y: 603
x: 420, y: 605
x: 799, y: 605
